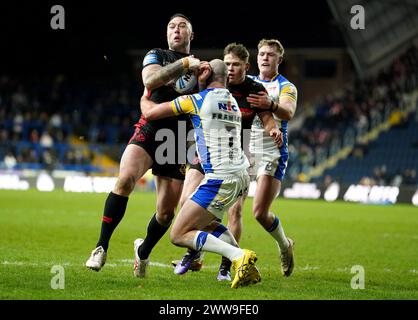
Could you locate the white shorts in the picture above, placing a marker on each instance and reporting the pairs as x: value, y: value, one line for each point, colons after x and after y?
x: 218, y: 194
x: 269, y: 164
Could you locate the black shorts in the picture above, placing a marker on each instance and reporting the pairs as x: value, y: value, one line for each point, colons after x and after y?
x: 197, y: 166
x: 144, y: 136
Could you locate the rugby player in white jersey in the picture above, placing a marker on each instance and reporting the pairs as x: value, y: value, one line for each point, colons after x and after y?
x: 270, y: 162
x: 216, y: 119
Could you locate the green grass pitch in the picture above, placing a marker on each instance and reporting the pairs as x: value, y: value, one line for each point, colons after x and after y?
x: 39, y: 230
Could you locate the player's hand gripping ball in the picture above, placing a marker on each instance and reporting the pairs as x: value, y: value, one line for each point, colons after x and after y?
x: 185, y: 83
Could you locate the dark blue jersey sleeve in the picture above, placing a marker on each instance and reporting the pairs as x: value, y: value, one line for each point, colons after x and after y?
x: 153, y: 56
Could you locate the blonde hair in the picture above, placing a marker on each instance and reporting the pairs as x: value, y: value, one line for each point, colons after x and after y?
x: 272, y: 43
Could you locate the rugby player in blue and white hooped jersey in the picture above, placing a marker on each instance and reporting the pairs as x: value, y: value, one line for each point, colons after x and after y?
x: 270, y: 162
x: 216, y: 119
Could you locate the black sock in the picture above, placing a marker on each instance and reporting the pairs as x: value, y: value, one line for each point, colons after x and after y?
x: 155, y: 231
x: 114, y: 211
x: 225, y: 264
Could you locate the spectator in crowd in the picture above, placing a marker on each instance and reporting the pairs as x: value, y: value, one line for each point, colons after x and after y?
x: 367, y: 181
x: 46, y: 140
x: 397, y: 179
x: 410, y: 177
x: 327, y: 181
x: 10, y: 160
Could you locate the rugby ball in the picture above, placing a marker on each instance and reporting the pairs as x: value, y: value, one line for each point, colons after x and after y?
x: 186, y: 83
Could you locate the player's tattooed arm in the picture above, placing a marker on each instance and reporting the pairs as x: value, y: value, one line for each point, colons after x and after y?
x: 155, y: 76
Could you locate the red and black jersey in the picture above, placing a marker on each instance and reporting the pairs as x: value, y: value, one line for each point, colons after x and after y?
x: 241, y: 92
x: 168, y: 91
x: 146, y: 131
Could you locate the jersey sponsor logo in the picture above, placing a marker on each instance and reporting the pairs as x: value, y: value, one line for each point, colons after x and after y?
x: 227, y: 107
x: 226, y: 117
x: 151, y: 59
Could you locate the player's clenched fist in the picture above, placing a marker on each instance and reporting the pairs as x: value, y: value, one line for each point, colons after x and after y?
x: 205, y: 71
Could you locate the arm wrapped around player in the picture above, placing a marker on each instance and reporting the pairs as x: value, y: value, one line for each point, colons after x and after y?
x: 155, y: 76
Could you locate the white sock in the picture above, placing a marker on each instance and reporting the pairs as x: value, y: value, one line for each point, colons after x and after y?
x: 223, y: 233
x: 228, y: 238
x: 277, y: 232
x: 207, y: 242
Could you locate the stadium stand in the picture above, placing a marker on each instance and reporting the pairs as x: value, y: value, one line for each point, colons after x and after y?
x: 340, y: 121
x: 59, y: 123
x: 392, y: 159
x: 83, y: 125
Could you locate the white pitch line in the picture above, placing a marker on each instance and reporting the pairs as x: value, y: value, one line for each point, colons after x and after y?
x: 129, y: 262
x: 35, y: 264
x: 400, y: 235
x: 122, y: 263
x: 308, y: 268
x: 346, y: 269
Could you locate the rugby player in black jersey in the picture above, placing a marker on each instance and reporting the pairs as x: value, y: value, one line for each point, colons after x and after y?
x: 161, y: 69
x: 236, y: 58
